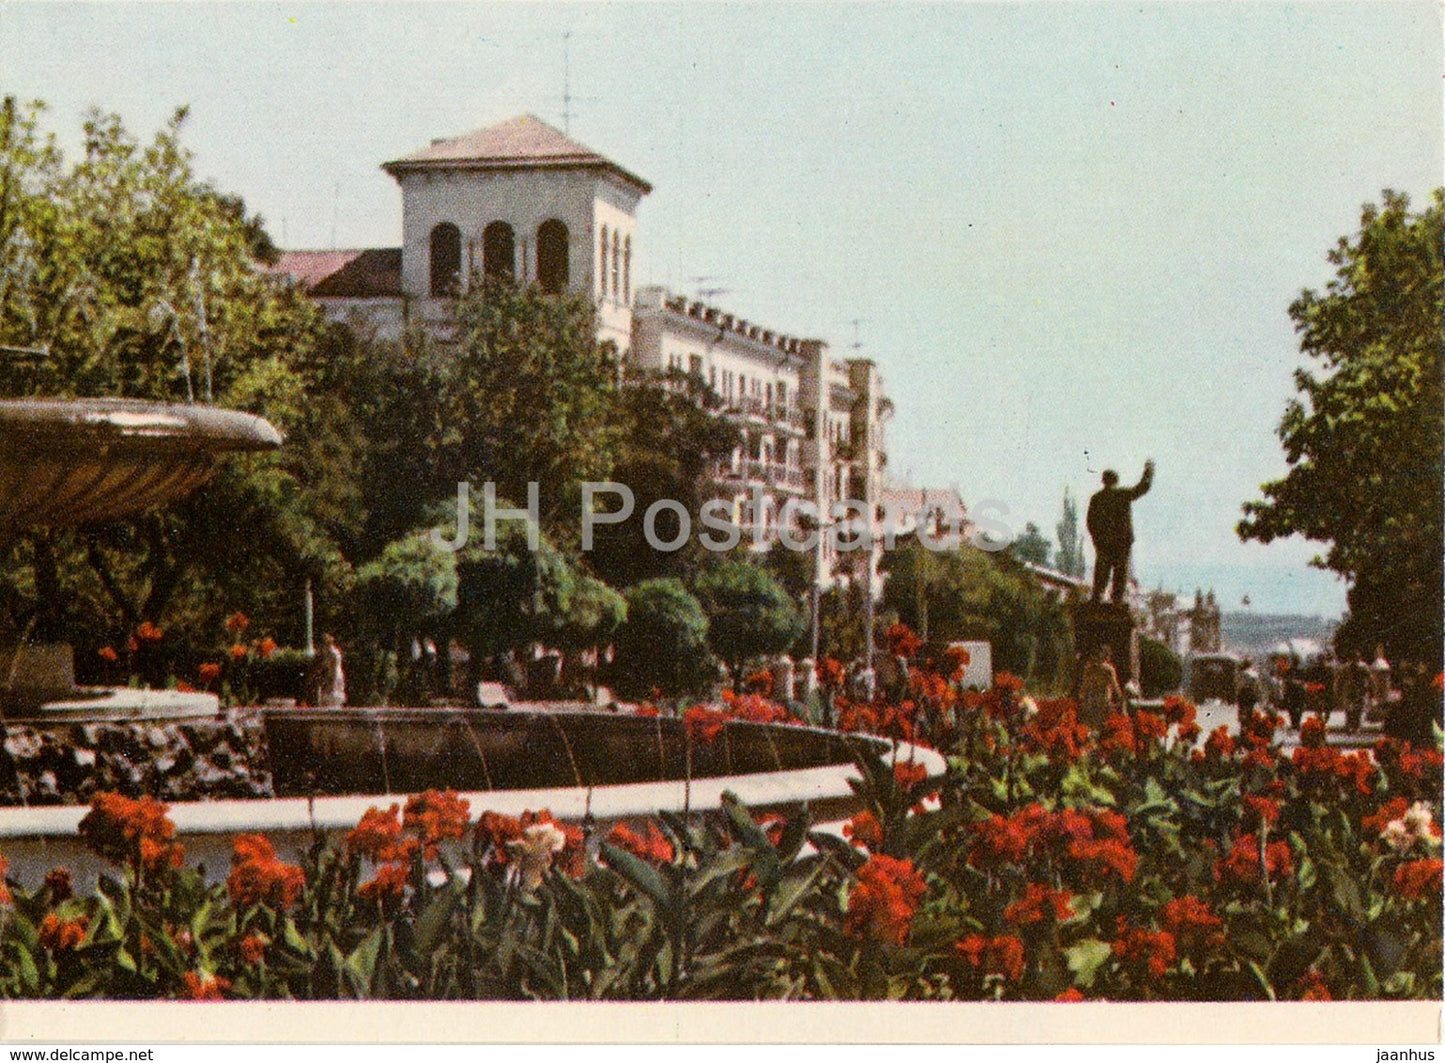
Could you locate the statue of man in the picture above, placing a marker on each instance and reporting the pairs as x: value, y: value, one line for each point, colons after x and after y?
x: 1111, y: 526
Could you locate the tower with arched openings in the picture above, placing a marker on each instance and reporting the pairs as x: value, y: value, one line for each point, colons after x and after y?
x: 520, y: 199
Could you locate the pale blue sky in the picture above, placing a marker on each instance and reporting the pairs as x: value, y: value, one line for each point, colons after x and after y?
x: 1069, y: 233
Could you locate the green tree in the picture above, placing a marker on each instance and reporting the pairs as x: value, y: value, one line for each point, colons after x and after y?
x: 1365, y: 436
x: 530, y: 397
x: 1070, y: 559
x: 1032, y: 546
x: 973, y: 594
x: 133, y: 278
x: 749, y: 614
x: 671, y: 438
x: 662, y: 645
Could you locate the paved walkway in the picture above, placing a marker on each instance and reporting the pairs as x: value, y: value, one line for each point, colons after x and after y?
x: 1213, y: 714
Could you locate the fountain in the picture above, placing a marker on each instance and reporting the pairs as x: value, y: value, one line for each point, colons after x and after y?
x: 70, y: 462
x: 66, y: 462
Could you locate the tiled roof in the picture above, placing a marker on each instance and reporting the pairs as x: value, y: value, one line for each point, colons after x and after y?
x: 525, y: 141
x: 365, y: 273
x: 911, y: 500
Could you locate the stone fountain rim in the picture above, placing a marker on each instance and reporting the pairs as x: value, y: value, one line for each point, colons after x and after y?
x: 71, y: 425
x: 603, y: 803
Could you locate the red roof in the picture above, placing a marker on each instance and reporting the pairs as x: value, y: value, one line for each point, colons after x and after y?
x: 363, y: 273
x: 522, y: 142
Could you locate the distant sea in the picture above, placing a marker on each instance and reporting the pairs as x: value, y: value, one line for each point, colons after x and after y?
x: 1255, y: 634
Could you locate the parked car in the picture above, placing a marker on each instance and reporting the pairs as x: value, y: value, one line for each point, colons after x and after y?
x: 1213, y: 677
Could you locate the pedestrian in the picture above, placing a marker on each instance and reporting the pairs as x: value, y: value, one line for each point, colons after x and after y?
x: 1294, y: 698
x: 1099, y: 690
x: 1248, y: 696
x: 333, y: 677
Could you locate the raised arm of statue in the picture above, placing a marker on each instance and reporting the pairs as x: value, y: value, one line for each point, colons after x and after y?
x: 1145, y: 481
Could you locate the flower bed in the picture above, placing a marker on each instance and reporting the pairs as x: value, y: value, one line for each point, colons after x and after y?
x: 1051, y: 863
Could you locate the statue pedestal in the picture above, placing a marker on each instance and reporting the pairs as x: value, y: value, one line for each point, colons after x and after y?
x: 1107, y: 624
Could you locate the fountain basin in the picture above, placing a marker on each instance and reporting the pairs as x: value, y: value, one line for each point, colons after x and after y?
x: 401, y: 750
x: 78, y: 460
x: 34, y: 840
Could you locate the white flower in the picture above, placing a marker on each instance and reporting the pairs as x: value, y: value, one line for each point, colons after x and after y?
x: 1417, y: 819
x: 1415, y: 825
x: 533, y: 852
x: 1398, y: 836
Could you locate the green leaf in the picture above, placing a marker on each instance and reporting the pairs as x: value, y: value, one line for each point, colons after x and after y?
x: 639, y: 874
x: 1085, y: 959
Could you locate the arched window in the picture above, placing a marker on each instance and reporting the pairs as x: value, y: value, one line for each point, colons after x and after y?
x: 499, y: 250
x: 446, y: 260
x: 552, y: 256
x: 602, y: 266
x: 627, y: 270
x: 616, y: 264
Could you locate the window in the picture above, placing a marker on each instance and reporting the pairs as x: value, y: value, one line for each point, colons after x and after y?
x: 694, y: 365
x: 446, y: 260
x: 616, y: 264
x: 602, y: 266
x: 627, y: 269
x: 552, y: 256
x: 499, y: 254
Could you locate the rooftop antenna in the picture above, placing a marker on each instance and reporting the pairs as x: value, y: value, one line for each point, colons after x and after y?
x: 703, y: 292
x: 857, y: 344
x: 567, y: 98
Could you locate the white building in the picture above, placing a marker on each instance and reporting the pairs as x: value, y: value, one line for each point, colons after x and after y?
x: 518, y: 198
x: 521, y: 199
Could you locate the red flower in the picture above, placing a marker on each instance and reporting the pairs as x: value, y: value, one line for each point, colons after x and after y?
x: 902, y: 642
x: 1263, y: 810
x: 907, y: 775
x: 61, y: 935
x: 258, y: 877
x: 1391, y: 810
x: 760, y: 682
x: 1419, y: 879
x: 704, y: 724
x: 209, y: 672
x: 1179, y: 710
x: 1312, y: 732
x: 865, y: 831
x: 654, y: 847
x: 1003, y: 955
x: 253, y: 948
x: 266, y: 647
x: 1055, y: 731
x: 107, y: 653
x: 435, y: 816
x: 5, y: 896
x: 1119, y: 734
x: 958, y: 659
x: 238, y: 651
x: 1243, y: 864
x: 1153, y: 950
x: 1069, y: 996
x: 1038, y: 903
x: 1312, y: 986
x: 1149, y: 728
x: 148, y: 632
x: 1219, y: 745
x: 126, y: 830
x: 1008, y: 683
x: 647, y: 710
x: 494, y: 831
x: 378, y: 837
x: 883, y: 901
x: 830, y: 673
x: 57, y: 883
x: 203, y: 986
x: 237, y: 622
x: 388, y: 883
x: 1192, y: 923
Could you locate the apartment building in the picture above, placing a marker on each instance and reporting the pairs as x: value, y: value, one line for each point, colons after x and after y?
x: 522, y: 199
